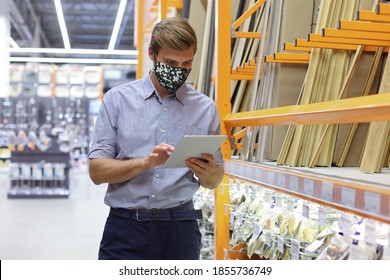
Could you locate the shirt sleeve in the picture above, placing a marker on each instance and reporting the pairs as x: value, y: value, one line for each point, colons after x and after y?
x: 105, y: 135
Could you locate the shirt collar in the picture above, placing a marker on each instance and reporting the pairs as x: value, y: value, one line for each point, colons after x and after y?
x: 150, y: 90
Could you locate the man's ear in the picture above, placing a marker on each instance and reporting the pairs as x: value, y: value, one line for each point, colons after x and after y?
x: 151, y: 54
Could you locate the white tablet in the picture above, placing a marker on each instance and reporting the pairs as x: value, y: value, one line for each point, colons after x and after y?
x: 193, y: 146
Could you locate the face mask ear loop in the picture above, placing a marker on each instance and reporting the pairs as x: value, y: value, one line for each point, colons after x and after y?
x: 155, y: 60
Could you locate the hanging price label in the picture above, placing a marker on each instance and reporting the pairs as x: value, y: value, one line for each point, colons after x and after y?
x: 267, y: 196
x: 308, y: 187
x: 239, y: 218
x: 372, y: 202
x: 231, y: 218
x: 279, y: 201
x: 280, y: 244
x: 295, y: 249
x: 256, y: 229
x: 290, y: 204
x: 322, y: 215
x: 231, y: 184
x: 345, y: 224
x: 370, y: 232
x: 268, y: 239
x: 247, y: 190
x: 305, y: 210
x: 238, y: 185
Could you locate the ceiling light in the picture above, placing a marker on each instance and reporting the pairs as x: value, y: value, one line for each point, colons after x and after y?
x: 74, y: 51
x: 61, y: 21
x: 117, y: 25
x: 74, y: 60
x: 13, y: 43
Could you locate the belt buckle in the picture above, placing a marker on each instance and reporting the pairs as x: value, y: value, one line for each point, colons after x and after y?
x: 137, y: 215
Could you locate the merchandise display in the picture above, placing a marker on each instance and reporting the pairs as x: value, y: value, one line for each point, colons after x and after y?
x: 276, y: 226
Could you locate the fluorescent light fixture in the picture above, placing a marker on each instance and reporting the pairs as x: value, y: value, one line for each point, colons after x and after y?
x: 74, y: 51
x: 13, y: 43
x: 61, y: 21
x: 73, y: 60
x: 117, y: 25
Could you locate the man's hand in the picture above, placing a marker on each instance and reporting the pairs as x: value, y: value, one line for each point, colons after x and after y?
x: 206, y: 170
x: 159, y: 155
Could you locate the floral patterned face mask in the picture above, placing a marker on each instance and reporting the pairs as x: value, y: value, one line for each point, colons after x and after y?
x: 170, y: 77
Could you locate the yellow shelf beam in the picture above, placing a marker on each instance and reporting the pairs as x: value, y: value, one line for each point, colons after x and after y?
x: 363, y: 26
x: 292, y: 56
x: 359, y: 109
x: 383, y: 9
x: 339, y: 33
x: 350, y: 41
x: 240, y: 76
x: 372, y: 16
x: 248, y: 13
x: 292, y: 47
x: 248, y: 35
x: 303, y: 43
x: 272, y: 59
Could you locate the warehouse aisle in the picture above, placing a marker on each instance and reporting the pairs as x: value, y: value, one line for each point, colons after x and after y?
x: 53, y: 229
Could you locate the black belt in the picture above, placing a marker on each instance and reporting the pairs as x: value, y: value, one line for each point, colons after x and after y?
x: 163, y: 215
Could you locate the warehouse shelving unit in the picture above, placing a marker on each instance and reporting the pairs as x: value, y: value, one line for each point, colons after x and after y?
x: 366, y: 198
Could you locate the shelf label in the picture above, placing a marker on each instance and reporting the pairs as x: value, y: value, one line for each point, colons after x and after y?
x: 372, y: 202
x: 322, y: 215
x: 280, y: 244
x: 293, y: 183
x: 305, y: 210
x: 370, y: 232
x: 268, y: 239
x: 308, y: 187
x: 327, y: 191
x: 271, y: 178
x: 348, y: 197
x: 282, y: 180
x: 295, y: 249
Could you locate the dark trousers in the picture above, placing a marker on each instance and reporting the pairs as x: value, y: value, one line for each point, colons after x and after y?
x: 129, y: 239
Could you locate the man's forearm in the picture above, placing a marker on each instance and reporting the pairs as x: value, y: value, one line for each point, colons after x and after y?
x: 106, y: 170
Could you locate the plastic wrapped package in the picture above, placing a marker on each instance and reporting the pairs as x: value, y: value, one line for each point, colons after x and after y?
x: 308, y: 230
x: 337, y: 249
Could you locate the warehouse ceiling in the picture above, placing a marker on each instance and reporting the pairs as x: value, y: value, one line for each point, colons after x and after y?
x: 90, y: 23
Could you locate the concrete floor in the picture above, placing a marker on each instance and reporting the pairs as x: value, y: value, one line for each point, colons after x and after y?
x: 53, y: 229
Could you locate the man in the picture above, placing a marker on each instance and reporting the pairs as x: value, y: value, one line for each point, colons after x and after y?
x: 138, y: 126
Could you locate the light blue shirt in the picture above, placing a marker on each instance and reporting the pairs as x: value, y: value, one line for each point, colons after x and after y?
x: 132, y: 120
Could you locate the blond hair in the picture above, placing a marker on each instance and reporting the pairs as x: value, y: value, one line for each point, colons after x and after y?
x: 174, y: 34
